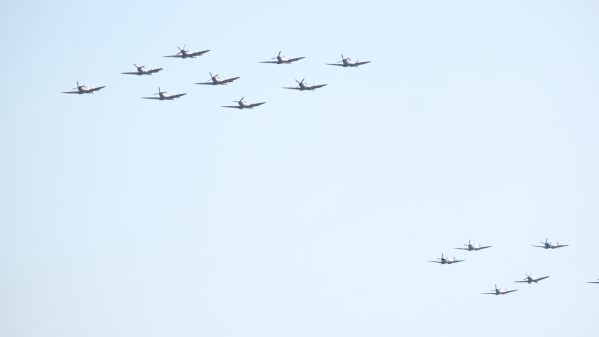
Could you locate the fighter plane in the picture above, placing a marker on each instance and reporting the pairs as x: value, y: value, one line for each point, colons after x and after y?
x: 594, y: 281
x: 282, y: 59
x: 530, y: 279
x: 305, y: 86
x: 162, y: 96
x: 446, y: 260
x: 81, y: 89
x: 184, y: 53
x: 470, y: 247
x: 347, y: 62
x: 241, y: 104
x: 216, y: 80
x: 501, y: 291
x: 548, y: 245
x: 142, y: 70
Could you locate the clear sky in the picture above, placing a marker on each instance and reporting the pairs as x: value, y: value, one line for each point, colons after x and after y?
x: 316, y: 213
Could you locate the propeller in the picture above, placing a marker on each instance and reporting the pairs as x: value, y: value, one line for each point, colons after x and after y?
x: 240, y: 101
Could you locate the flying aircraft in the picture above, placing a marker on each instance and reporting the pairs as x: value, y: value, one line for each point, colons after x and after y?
x: 347, y: 62
x: 470, y: 247
x: 282, y: 59
x: 216, y: 80
x: 142, y: 70
x: 305, y: 86
x: 530, y: 279
x: 501, y: 291
x: 241, y: 104
x: 594, y: 281
x: 162, y: 96
x: 548, y: 245
x: 81, y: 89
x: 446, y: 260
x: 184, y: 53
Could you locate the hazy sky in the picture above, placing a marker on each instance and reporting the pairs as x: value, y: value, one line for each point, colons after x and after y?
x: 316, y: 213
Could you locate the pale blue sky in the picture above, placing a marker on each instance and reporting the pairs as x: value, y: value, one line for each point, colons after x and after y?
x: 313, y: 215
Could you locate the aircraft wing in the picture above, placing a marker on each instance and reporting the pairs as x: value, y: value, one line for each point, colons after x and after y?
x: 462, y: 248
x: 176, y: 55
x: 541, y: 278
x: 336, y: 64
x: 70, y: 92
x: 488, y: 293
x: 317, y: 86
x: 268, y: 62
x: 254, y: 105
x: 484, y: 247
x: 521, y: 281
x: 509, y: 291
x: 198, y: 53
x: 361, y: 63
x: 295, y: 59
x: 207, y: 83
x: 560, y: 246
x: 231, y: 106
x: 95, y: 89
x: 593, y: 282
x: 131, y: 73
x: 158, y: 98
x: 454, y: 261
x: 293, y: 88
x: 229, y: 80
x: 151, y: 71
x: 176, y: 96
x: 538, y: 246
x: 436, y: 262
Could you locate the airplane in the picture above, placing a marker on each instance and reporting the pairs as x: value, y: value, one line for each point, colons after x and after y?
x: 347, y: 62
x: 162, y: 96
x: 82, y: 89
x: 594, y: 281
x: 471, y: 247
x: 184, y: 53
x: 305, y: 86
x: 446, y: 260
x: 548, y: 245
x: 142, y: 70
x: 217, y: 80
x: 502, y: 291
x: 530, y: 279
x: 282, y: 59
x: 241, y: 104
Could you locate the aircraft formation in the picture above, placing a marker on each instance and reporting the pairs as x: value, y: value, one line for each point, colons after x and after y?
x: 301, y: 86
x: 502, y: 291
x: 184, y: 53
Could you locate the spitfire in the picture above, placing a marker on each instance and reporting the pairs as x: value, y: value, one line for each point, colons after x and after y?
x: 301, y: 86
x: 347, y: 62
x: 472, y: 247
x: 82, y: 89
x: 142, y: 70
x: 163, y: 96
x: 216, y: 80
x: 500, y: 291
x: 549, y: 245
x: 184, y: 53
x: 529, y: 279
x: 282, y: 59
x: 241, y: 104
x: 446, y: 260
